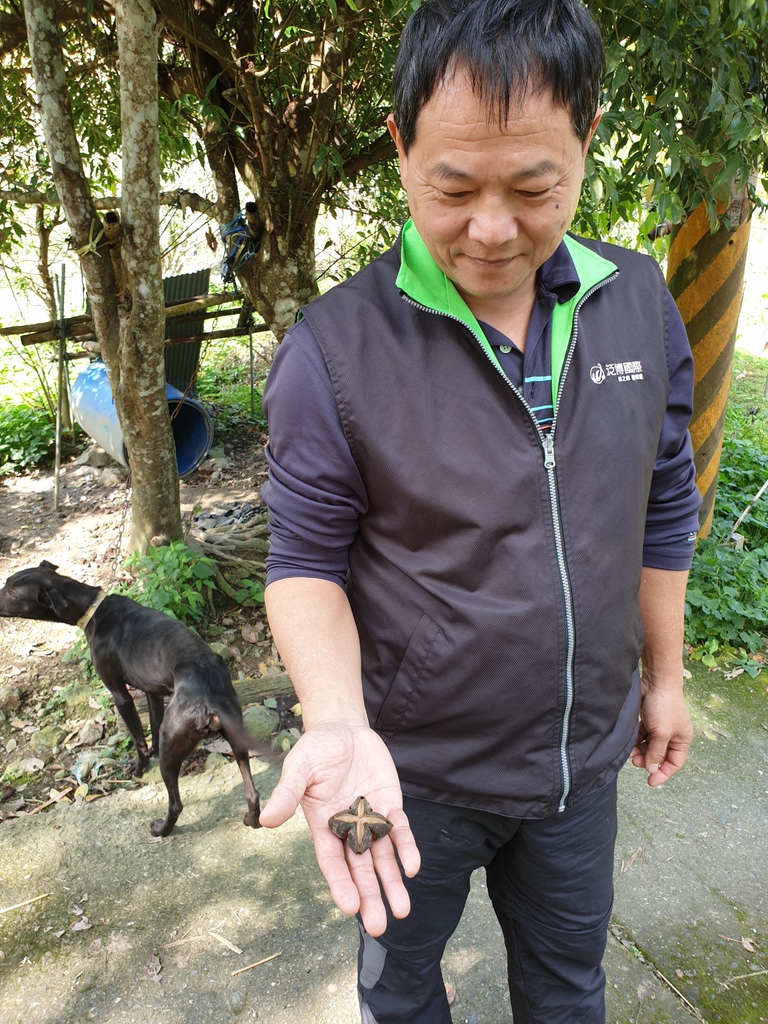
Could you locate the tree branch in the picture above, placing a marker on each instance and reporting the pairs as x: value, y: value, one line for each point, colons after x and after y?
x: 184, y: 199
x: 379, y: 150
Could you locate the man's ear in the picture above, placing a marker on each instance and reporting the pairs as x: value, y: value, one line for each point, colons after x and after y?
x: 593, y: 128
x: 401, y: 154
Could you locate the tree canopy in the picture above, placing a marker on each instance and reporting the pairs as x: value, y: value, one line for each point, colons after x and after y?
x: 285, y: 103
x: 685, y: 120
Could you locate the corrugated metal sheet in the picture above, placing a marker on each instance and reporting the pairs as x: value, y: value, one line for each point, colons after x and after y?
x: 181, y: 360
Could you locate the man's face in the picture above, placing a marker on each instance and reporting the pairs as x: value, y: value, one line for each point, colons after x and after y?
x: 491, y: 203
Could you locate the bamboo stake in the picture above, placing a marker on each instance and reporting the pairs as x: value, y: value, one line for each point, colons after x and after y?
x: 34, y: 899
x: 257, y: 964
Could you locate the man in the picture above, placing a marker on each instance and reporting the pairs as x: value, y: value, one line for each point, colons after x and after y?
x: 481, y: 494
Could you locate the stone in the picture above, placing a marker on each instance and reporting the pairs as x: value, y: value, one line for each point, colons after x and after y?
x: 9, y: 699
x: 261, y: 721
x: 44, y: 740
x: 223, y: 651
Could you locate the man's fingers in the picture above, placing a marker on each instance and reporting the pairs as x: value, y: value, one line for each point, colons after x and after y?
x: 390, y: 878
x: 668, y: 766
x: 285, y: 798
x: 329, y: 851
x: 402, y: 838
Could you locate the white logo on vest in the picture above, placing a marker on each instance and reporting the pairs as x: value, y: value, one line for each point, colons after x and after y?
x: 632, y: 370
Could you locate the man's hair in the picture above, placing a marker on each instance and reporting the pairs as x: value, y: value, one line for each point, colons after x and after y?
x: 509, y: 49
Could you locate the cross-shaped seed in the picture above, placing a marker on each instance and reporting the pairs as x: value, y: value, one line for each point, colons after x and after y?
x: 359, y: 825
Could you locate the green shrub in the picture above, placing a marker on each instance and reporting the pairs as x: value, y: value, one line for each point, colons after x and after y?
x: 727, y: 601
x: 173, y: 579
x: 180, y: 581
x: 223, y: 381
x: 27, y: 437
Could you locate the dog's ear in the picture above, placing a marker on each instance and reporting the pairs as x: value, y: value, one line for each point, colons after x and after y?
x: 48, y: 565
x: 50, y: 597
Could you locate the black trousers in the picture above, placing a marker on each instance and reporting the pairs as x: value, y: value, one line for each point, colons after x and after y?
x: 551, y: 884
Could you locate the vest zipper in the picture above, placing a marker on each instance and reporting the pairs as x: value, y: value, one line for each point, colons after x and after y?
x: 547, y: 442
x: 554, y: 500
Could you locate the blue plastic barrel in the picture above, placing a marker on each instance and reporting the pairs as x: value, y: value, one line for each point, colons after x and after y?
x: 94, y: 409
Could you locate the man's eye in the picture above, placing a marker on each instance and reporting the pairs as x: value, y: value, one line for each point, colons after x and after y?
x: 532, y: 195
x: 454, y: 195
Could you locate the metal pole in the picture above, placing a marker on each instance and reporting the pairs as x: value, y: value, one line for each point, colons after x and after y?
x: 60, y: 387
x: 250, y: 348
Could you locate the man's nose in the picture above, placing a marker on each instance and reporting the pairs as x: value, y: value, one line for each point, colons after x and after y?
x: 493, y: 222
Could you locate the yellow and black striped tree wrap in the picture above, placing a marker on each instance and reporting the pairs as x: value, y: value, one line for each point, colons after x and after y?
x: 706, y: 277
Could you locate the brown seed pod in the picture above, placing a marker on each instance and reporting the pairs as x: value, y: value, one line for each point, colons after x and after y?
x: 359, y: 825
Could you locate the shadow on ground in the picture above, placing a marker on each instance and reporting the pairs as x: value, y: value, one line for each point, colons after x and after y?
x: 130, y: 930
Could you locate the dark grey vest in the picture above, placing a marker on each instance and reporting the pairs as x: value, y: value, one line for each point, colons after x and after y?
x: 456, y: 581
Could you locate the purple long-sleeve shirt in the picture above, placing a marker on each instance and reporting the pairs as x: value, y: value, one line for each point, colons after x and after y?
x: 316, y: 495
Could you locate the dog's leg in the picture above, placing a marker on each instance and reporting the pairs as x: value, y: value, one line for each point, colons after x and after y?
x: 238, y: 739
x: 251, y: 818
x: 127, y: 711
x: 178, y: 737
x: 156, y: 706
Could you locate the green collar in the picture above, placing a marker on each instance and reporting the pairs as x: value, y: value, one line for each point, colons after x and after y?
x: 422, y: 280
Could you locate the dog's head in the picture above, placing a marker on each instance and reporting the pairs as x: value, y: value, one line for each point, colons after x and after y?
x: 37, y: 593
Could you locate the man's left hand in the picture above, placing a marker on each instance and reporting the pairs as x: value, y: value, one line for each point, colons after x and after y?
x: 664, y: 735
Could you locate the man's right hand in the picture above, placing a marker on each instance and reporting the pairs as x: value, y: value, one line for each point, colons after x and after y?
x: 328, y: 769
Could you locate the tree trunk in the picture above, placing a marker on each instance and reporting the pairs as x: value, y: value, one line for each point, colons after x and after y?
x: 67, y: 168
x: 131, y: 339
x: 706, y: 277
x: 278, y: 285
x: 138, y: 375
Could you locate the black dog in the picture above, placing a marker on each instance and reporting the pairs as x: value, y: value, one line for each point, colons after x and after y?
x: 136, y: 646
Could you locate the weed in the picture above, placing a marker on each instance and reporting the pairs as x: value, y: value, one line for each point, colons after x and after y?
x: 27, y: 437
x: 173, y: 579
x: 727, y: 598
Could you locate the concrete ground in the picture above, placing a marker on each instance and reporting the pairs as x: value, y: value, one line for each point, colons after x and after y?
x: 130, y: 930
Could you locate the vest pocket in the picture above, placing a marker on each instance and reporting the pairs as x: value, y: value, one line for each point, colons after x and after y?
x: 403, y: 693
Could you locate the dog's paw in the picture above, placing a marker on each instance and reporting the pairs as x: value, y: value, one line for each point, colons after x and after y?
x: 251, y: 819
x: 159, y: 827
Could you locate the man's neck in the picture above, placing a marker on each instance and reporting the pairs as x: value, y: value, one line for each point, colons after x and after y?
x: 509, y: 314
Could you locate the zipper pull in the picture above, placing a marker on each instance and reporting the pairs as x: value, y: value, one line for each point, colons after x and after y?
x: 549, y: 452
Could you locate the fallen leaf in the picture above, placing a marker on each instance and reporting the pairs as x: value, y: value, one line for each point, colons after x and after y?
x: 450, y: 992
x: 218, y: 746
x: 747, y: 944
x: 82, y: 925
x: 117, y: 943
x: 10, y: 746
x: 249, y: 635
x: 152, y: 970
x: 644, y: 989
x: 34, y: 764
x: 626, y: 865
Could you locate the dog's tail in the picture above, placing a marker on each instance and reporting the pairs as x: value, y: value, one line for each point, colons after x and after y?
x: 242, y: 740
